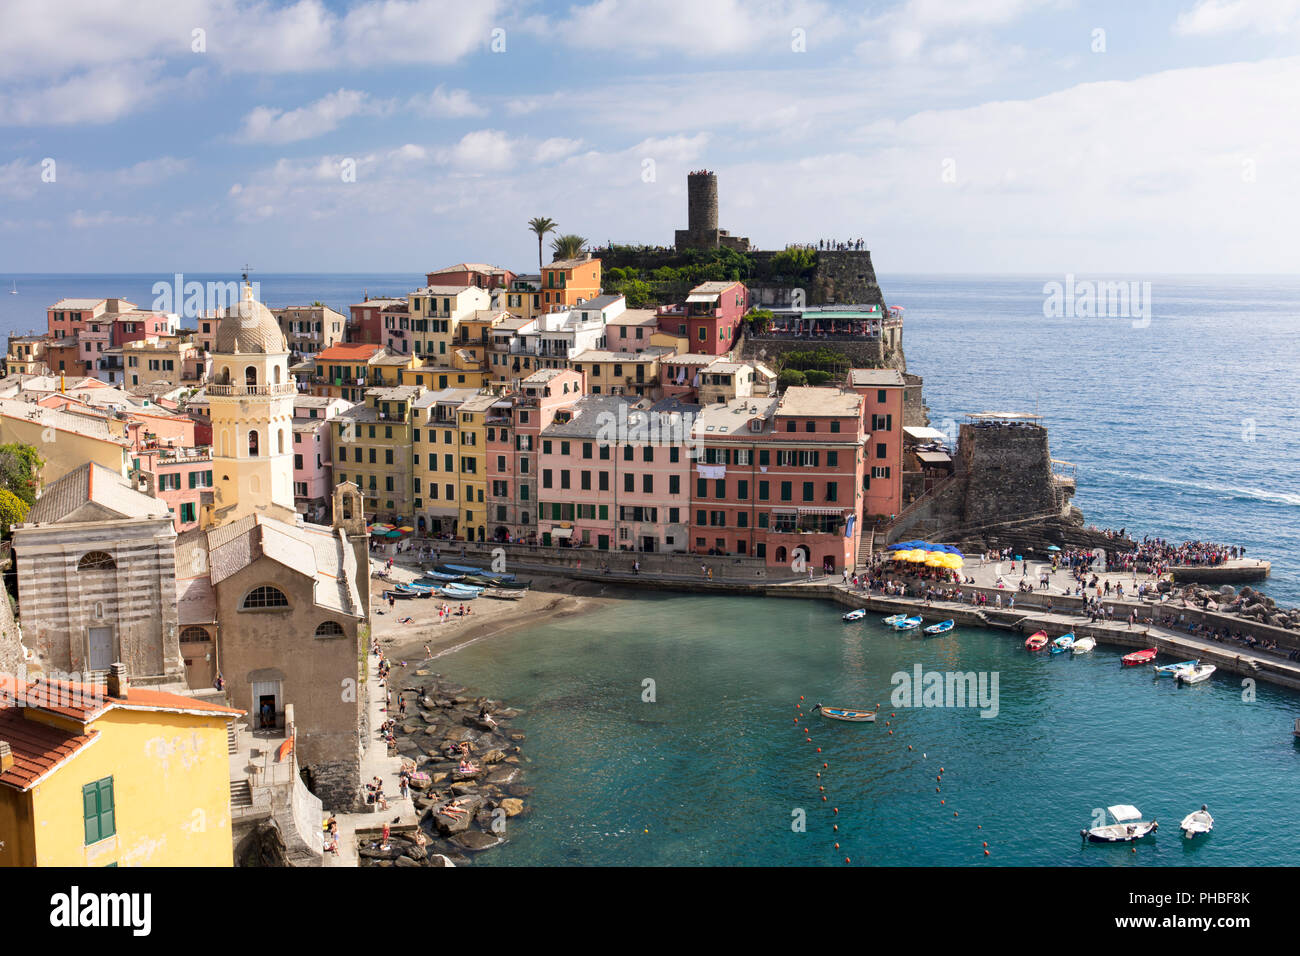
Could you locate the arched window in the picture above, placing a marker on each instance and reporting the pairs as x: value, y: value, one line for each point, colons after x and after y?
x: 194, y: 635
x: 280, y: 441
x: 780, y: 555
x: 264, y: 596
x: 252, y: 442
x: 96, y: 561
x: 250, y: 375
x: 329, y: 629
x: 277, y: 375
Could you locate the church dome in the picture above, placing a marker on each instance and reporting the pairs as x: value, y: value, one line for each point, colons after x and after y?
x: 249, y: 327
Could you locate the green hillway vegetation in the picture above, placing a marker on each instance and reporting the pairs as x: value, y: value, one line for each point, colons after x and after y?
x: 683, y: 269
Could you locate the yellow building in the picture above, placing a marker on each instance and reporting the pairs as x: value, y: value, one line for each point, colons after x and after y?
x: 438, y: 377
x: 449, y: 462
x: 621, y: 373
x: 372, y: 446
x: 436, y: 314
x: 65, y: 440
x: 116, y: 776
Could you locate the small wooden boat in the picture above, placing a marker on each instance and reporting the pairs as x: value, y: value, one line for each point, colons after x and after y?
x: 856, y: 614
x: 463, y: 568
x: 894, y: 619
x: 1128, y: 826
x: 1063, y: 643
x: 1139, y: 657
x: 1036, y: 642
x: 501, y: 595
x: 1197, y: 823
x: 908, y: 624
x: 439, y: 576
x: 841, y: 713
x: 1169, y: 670
x: 943, y: 627
x: 400, y: 595
x: 458, y: 594
x: 1083, y: 645
x: 1194, y: 675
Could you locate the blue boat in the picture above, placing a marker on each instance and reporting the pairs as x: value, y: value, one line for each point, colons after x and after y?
x: 1171, y: 670
x: 458, y: 595
x: 464, y: 568
x: 1063, y: 643
x: 439, y: 576
x: 908, y: 624
x: 894, y: 619
x: 943, y: 627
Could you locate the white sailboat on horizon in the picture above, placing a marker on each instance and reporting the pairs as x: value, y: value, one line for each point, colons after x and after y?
x: 14, y: 290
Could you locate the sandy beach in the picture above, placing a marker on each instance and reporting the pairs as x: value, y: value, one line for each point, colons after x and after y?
x: 549, y: 597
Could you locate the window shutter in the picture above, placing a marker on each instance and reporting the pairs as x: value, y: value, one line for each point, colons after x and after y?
x: 107, y: 821
x: 90, y: 805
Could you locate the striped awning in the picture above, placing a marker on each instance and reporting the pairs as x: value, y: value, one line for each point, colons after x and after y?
x: 822, y: 511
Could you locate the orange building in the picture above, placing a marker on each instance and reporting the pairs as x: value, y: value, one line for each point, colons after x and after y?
x: 569, y: 281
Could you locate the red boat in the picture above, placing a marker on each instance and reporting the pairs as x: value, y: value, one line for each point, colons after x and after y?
x: 1138, y: 657
x: 1037, y: 642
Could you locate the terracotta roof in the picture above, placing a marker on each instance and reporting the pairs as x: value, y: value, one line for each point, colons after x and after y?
x: 347, y: 352
x: 38, y: 748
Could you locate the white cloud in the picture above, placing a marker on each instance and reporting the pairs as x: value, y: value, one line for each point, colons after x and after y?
x: 151, y: 171
x: 693, y: 27
x: 1216, y: 17
x: 484, y: 150
x: 444, y: 103
x: 98, y: 95
x: 268, y: 124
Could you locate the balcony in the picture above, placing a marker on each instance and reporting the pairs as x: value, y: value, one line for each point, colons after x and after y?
x: 284, y: 388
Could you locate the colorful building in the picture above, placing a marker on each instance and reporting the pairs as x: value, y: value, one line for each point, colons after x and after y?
x: 372, y: 447
x: 112, y: 776
x: 780, y: 478
x: 882, y: 392
x: 570, y: 281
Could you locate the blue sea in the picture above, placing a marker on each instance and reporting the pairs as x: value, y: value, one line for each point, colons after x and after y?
x: 1186, y: 428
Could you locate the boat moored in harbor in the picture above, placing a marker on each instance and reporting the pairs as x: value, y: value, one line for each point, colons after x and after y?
x: 856, y: 615
x: 1063, y: 643
x: 1037, y: 641
x: 1128, y: 826
x: 1083, y: 645
x: 943, y: 627
x: 1145, y: 656
x: 843, y: 713
x: 908, y: 624
x: 1194, y: 675
x: 1197, y: 823
x: 1170, y: 670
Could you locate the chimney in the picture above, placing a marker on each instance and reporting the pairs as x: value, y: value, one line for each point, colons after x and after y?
x: 6, y: 757
x: 119, y: 685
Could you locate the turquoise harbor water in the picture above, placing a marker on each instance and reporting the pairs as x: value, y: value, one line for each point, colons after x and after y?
x: 714, y: 768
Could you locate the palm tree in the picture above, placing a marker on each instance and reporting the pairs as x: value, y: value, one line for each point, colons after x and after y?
x: 541, y: 225
x: 567, y: 247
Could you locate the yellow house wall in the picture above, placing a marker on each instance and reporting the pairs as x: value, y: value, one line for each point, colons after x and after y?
x: 67, y: 451
x: 171, y: 795
x: 17, y: 848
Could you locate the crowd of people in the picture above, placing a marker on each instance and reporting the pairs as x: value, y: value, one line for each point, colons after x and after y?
x: 1156, y: 555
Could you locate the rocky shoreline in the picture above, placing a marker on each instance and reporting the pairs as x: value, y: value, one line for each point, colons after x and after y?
x: 460, y: 814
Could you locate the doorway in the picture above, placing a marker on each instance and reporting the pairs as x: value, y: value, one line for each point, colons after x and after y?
x: 100, y: 653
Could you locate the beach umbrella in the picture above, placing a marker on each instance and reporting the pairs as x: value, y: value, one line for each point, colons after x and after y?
x: 1052, y: 547
x: 392, y: 534
x: 406, y: 529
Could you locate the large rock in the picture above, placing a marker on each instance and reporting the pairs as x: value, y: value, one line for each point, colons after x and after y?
x: 513, y: 806
x: 493, y: 756
x: 503, y: 776
x: 476, y: 840
x: 440, y: 859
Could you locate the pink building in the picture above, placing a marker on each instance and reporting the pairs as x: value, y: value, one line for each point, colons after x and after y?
x: 514, y: 458
x: 710, y: 318
x: 882, y: 392
x: 313, y: 467
x: 780, y: 479
x: 614, y: 477
x: 478, y: 274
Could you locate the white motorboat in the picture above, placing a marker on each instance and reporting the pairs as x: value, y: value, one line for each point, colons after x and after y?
x: 1197, y: 822
x: 1083, y: 645
x: 1128, y: 826
x: 856, y: 615
x: 1195, y: 674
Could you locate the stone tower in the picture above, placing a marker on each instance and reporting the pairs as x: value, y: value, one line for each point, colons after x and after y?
x: 702, y: 203
x: 251, y: 398
x: 702, y: 230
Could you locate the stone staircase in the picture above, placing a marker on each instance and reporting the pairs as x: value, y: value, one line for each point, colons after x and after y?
x: 241, y: 795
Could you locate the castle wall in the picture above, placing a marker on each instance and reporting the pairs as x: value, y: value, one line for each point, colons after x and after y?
x: 1009, y: 472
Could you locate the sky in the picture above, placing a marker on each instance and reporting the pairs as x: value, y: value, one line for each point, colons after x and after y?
x: 996, y: 136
